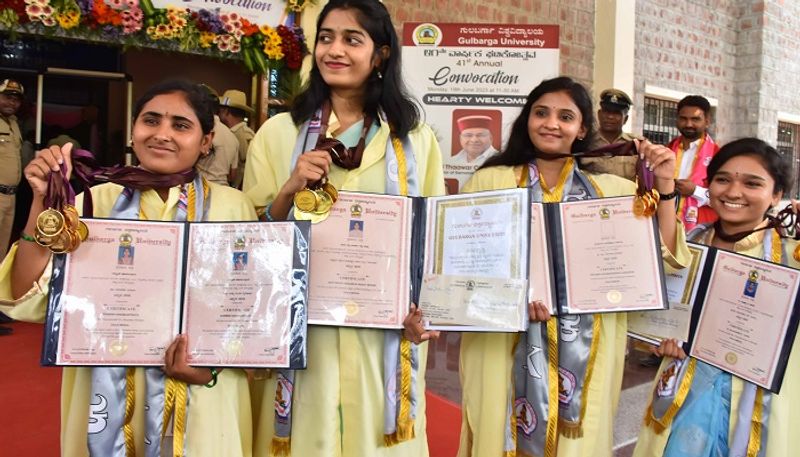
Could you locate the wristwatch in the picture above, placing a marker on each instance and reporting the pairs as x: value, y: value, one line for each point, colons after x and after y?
x: 669, y: 196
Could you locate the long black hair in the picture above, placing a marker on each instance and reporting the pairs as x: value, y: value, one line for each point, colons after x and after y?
x: 520, y: 149
x: 387, y: 93
x: 776, y: 165
x: 196, y: 96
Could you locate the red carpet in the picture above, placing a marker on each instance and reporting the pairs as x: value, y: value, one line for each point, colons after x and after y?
x: 29, y: 402
x: 444, y: 425
x: 29, y: 396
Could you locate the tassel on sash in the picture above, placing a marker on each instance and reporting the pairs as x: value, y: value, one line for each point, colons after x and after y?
x: 551, y: 438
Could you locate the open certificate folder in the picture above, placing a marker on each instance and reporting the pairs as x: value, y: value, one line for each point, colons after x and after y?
x: 476, y: 261
x: 237, y: 290
x: 745, y: 317
x: 463, y: 257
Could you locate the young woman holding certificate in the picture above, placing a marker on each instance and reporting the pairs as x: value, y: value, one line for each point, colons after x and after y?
x: 171, y: 130
x: 345, y: 404
x: 698, y: 410
x: 570, y: 388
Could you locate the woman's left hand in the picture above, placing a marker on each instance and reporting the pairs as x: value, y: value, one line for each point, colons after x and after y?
x: 413, y: 329
x: 176, y: 367
x: 660, y: 160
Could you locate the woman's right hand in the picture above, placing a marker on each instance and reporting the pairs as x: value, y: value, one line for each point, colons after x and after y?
x: 413, y: 328
x: 47, y: 161
x: 311, y: 167
x: 538, y: 312
x: 670, y: 348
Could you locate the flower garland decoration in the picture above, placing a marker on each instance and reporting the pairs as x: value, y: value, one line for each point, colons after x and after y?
x: 139, y: 23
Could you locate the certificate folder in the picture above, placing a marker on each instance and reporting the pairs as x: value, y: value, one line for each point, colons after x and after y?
x: 745, y: 317
x: 605, y: 259
x: 476, y: 261
x: 238, y: 291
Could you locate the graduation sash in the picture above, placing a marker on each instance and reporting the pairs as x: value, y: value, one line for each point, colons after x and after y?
x: 400, y: 356
x: 688, y: 389
x: 110, y: 431
x: 552, y: 362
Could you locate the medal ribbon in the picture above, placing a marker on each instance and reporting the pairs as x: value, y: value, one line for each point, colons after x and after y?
x: 347, y: 158
x: 87, y: 170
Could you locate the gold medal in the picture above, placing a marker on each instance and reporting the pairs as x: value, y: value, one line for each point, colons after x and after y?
x: 639, y: 206
x: 62, y: 244
x: 71, y: 216
x: 313, y: 217
x: 83, y: 230
x: 649, y: 205
x: 329, y: 189
x: 306, y: 200
x: 656, y: 195
x: 796, y: 253
x: 50, y: 222
x: 324, y: 203
x: 43, y: 240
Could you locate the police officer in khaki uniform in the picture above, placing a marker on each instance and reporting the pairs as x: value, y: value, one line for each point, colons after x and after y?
x: 11, y: 93
x: 612, y: 115
x: 233, y: 110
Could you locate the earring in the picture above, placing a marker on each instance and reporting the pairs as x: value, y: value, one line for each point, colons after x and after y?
x: 380, y: 75
x: 708, y: 194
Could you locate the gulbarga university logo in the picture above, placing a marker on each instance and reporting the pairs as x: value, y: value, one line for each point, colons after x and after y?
x: 427, y: 35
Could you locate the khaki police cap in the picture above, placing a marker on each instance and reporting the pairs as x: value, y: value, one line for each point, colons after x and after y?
x: 615, y: 99
x: 9, y: 86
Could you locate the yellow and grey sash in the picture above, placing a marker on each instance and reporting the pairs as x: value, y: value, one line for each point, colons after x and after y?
x: 684, y: 381
x: 400, y: 356
x: 552, y: 362
x: 110, y: 428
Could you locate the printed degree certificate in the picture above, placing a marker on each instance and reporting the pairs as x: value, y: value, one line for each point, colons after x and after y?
x: 611, y: 258
x: 238, y: 294
x: 121, y: 297
x: 360, y: 262
x: 476, y: 262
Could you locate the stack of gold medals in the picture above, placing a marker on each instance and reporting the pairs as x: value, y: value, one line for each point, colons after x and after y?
x: 58, y: 227
x: 647, y: 197
x: 314, y: 203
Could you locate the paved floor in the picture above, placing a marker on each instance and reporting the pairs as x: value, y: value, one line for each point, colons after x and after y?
x: 442, y: 379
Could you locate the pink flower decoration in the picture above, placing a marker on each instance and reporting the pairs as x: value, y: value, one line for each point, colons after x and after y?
x: 33, y: 11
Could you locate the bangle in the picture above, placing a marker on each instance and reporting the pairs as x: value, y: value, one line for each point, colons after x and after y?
x: 26, y: 237
x: 213, y: 381
x: 267, y: 213
x: 669, y: 196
